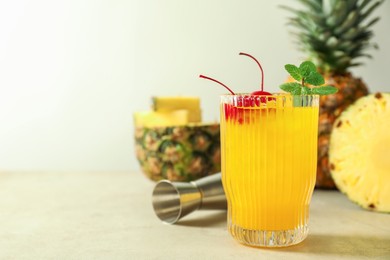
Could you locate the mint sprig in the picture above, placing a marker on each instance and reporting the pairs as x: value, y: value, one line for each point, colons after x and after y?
x: 306, y: 74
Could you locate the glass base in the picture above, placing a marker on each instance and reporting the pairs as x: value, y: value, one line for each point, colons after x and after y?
x: 268, y: 238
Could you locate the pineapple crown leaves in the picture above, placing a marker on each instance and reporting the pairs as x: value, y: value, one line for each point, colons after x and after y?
x: 334, y: 33
x: 306, y: 73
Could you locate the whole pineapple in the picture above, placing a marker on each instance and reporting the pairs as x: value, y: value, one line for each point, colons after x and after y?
x: 334, y: 34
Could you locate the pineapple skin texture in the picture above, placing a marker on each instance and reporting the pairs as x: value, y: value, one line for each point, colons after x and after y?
x: 359, y: 149
x: 178, y: 153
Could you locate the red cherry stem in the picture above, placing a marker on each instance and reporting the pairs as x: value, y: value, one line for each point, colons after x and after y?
x: 205, y: 77
x: 261, y: 69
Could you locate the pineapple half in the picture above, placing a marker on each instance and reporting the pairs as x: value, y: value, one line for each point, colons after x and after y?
x: 172, y: 143
x: 359, y: 152
x: 334, y: 35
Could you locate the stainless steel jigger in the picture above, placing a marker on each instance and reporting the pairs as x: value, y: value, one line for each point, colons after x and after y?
x: 174, y: 200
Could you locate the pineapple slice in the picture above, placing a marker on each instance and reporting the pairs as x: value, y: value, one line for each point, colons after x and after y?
x: 167, y: 104
x: 166, y: 118
x: 359, y: 152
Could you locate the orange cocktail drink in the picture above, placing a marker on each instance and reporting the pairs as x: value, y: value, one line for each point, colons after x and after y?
x: 269, y: 156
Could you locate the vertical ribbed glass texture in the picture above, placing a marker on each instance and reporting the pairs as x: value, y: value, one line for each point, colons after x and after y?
x: 269, y: 156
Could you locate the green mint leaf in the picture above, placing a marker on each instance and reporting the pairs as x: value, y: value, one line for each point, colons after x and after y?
x: 290, y: 87
x: 325, y: 90
x: 306, y: 68
x: 306, y: 91
x: 306, y: 73
x: 293, y: 71
x: 315, y: 78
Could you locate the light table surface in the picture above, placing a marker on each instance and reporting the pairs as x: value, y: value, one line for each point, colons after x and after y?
x: 109, y: 215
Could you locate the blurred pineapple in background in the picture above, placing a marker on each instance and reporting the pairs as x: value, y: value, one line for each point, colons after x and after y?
x: 172, y: 142
x: 334, y: 34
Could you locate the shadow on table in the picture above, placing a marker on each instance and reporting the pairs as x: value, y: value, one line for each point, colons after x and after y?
x: 364, y: 246
x: 209, y: 219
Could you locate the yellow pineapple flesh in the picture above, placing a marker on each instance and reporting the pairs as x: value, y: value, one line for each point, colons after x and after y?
x: 359, y: 150
x: 170, y: 111
x: 155, y: 119
x: 168, y: 104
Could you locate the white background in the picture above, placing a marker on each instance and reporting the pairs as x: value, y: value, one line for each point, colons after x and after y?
x: 73, y: 72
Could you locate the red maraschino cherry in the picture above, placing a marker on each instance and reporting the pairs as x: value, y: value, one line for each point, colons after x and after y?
x: 259, y: 92
x: 239, y: 111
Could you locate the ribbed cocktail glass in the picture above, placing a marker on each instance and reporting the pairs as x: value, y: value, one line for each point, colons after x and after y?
x: 269, y: 156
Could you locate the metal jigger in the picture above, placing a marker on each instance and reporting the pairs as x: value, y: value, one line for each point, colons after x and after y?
x: 174, y: 200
